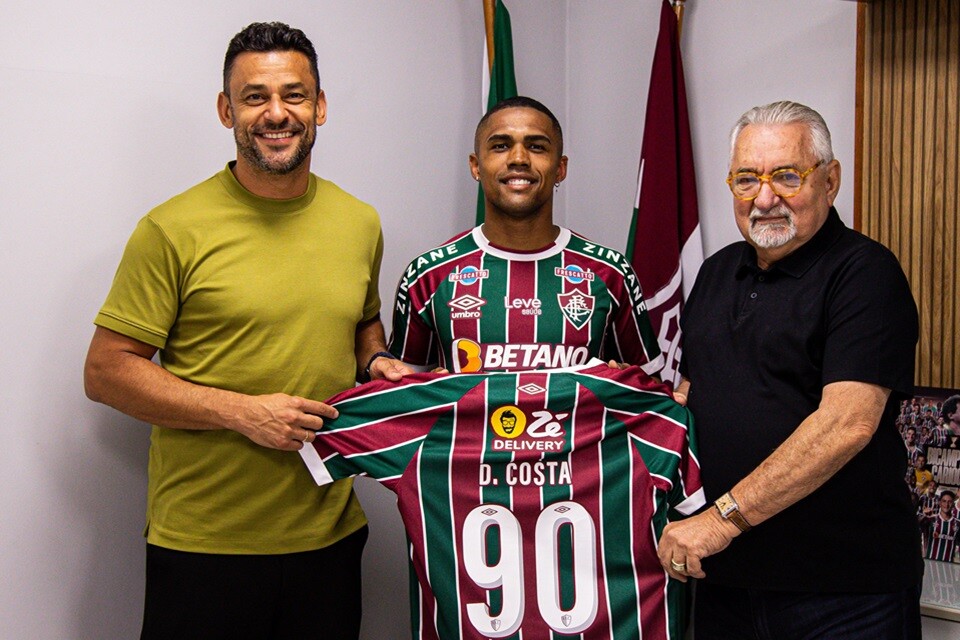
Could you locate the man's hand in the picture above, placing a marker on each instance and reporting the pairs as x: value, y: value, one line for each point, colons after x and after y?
x: 681, y: 392
x: 391, y: 369
x: 119, y: 372
x: 279, y: 421
x: 684, y: 544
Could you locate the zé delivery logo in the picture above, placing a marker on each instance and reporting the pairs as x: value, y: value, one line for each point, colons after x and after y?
x: 542, y: 430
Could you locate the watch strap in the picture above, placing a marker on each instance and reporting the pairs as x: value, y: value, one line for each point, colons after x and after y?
x: 378, y: 354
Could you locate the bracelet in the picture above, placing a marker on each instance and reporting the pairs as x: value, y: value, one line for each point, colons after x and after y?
x: 378, y: 354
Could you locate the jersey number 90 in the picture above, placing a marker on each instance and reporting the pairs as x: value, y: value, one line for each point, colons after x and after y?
x: 507, y: 573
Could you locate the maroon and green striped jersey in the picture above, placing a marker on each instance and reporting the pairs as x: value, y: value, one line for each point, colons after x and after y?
x: 471, y: 306
x: 942, y: 536
x: 533, y: 501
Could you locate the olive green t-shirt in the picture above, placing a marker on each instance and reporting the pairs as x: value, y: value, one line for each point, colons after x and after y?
x: 256, y: 296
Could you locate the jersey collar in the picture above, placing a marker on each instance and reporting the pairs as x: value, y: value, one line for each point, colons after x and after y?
x: 552, y: 249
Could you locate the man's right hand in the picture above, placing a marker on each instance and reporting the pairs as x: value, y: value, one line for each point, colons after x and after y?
x: 280, y: 421
x: 119, y: 372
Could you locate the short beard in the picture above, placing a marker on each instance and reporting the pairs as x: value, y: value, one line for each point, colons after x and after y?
x: 251, y: 153
x: 772, y: 236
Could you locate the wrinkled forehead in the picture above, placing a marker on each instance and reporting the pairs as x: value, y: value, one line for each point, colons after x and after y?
x: 768, y: 147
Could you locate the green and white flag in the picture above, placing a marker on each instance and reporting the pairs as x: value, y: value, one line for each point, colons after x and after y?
x: 502, y: 82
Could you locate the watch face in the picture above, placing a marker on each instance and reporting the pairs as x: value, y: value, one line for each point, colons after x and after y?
x: 725, y: 504
x: 730, y: 511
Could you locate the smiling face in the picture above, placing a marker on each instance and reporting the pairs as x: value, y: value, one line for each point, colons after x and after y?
x: 946, y: 505
x: 774, y: 225
x: 274, y: 109
x: 518, y: 162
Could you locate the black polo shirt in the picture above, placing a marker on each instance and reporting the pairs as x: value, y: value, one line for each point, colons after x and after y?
x: 759, y: 346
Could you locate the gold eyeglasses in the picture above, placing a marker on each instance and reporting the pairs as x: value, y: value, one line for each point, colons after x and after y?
x: 785, y: 182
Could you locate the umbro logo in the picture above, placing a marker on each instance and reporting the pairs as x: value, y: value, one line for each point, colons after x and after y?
x: 467, y: 303
x: 531, y: 388
x: 467, y: 307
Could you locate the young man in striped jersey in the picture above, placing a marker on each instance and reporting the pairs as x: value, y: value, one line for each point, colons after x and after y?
x: 942, y: 530
x: 519, y: 292
x: 928, y: 502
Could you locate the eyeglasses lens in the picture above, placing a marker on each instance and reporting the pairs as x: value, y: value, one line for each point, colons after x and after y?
x: 786, y: 182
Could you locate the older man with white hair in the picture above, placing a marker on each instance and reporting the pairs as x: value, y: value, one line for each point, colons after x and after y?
x: 799, y: 346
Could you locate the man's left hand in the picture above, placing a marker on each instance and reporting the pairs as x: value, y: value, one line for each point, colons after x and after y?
x: 384, y: 368
x: 684, y: 544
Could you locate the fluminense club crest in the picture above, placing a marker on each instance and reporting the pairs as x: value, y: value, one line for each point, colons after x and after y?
x: 577, y: 307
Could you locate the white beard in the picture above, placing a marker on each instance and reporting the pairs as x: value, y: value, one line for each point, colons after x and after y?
x: 772, y: 235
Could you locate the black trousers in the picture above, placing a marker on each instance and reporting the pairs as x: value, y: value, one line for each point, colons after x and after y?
x: 728, y: 613
x: 295, y: 596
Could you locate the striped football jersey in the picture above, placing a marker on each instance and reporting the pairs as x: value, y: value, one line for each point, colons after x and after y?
x: 471, y: 306
x: 533, y: 501
x: 942, y: 537
x: 928, y: 504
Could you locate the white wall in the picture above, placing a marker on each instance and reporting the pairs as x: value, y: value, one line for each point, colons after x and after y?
x: 734, y: 55
x: 109, y: 110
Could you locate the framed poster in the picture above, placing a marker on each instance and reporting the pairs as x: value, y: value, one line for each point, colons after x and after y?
x: 930, y: 426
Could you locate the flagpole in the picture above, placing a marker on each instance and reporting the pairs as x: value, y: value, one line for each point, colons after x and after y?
x: 489, y: 12
x: 677, y: 9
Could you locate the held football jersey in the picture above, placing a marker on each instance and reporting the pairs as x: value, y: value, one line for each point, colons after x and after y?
x: 533, y: 501
x: 471, y: 306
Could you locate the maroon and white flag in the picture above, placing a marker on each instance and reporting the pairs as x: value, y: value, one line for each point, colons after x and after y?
x: 664, y: 243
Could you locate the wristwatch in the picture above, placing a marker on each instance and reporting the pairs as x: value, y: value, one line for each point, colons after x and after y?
x: 366, y: 369
x: 730, y: 510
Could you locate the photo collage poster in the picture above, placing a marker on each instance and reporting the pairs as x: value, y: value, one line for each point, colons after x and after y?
x: 930, y: 426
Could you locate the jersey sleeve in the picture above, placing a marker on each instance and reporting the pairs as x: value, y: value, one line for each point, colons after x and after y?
x: 367, y: 438
x: 381, y: 426
x: 630, y: 336
x: 687, y: 496
x: 664, y: 433
x: 676, y: 465
x: 413, y: 339
x: 380, y: 448
x: 145, y: 296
